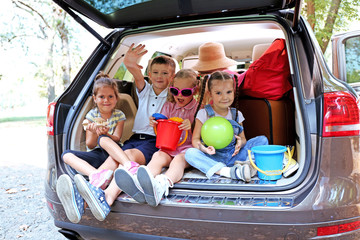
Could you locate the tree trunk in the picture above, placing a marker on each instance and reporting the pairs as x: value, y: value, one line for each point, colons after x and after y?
x: 64, y: 33
x: 49, y: 72
x: 310, y: 13
x: 329, y: 23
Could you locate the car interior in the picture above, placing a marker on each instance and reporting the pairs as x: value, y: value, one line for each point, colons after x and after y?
x: 244, y: 42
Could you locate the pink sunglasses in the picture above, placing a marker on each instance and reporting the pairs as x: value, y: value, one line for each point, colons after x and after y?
x: 185, y: 92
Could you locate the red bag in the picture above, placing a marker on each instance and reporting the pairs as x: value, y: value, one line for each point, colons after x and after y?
x: 269, y: 76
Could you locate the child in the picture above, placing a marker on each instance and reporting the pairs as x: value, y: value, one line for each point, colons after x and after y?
x: 150, y: 184
x: 212, y: 58
x: 105, y: 96
x: 141, y: 146
x: 221, y: 161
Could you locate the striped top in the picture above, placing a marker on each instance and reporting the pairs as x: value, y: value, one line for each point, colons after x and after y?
x: 116, y: 117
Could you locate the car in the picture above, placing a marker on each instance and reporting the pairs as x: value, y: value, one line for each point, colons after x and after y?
x: 318, y: 118
x: 345, y: 57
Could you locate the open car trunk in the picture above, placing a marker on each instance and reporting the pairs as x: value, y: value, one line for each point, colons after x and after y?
x: 279, y: 120
x: 317, y: 116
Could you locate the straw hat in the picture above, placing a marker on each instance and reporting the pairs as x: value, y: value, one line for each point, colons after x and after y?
x: 212, y: 56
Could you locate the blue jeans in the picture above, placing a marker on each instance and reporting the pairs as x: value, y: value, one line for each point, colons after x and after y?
x: 210, y: 164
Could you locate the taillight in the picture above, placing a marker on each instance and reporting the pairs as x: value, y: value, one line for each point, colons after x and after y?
x: 50, y: 118
x: 341, y: 115
x: 336, y: 229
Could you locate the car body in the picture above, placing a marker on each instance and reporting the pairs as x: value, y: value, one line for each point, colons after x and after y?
x: 346, y: 57
x: 320, y: 201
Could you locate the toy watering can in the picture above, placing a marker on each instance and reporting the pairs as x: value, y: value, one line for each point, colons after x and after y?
x: 168, y: 133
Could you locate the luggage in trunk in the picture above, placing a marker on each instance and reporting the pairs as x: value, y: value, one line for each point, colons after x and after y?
x: 273, y: 118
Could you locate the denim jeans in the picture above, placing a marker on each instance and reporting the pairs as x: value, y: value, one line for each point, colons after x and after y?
x: 210, y: 164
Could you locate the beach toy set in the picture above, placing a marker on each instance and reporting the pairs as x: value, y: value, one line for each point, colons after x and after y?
x: 168, y: 133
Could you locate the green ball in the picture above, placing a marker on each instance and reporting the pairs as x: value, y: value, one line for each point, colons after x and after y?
x: 217, y: 132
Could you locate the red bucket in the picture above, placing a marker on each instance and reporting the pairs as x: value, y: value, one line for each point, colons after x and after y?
x: 168, y: 134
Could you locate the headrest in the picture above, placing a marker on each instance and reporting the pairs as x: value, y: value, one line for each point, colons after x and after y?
x: 189, y: 61
x: 258, y: 50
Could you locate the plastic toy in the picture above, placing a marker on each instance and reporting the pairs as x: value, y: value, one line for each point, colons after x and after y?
x: 269, y: 161
x: 167, y: 132
x: 217, y: 132
x: 158, y: 116
x: 176, y: 119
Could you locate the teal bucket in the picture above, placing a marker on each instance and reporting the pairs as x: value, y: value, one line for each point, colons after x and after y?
x: 269, y: 161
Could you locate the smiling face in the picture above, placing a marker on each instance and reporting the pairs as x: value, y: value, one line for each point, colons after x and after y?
x: 105, y: 99
x: 222, y: 93
x: 181, y: 83
x: 160, y: 76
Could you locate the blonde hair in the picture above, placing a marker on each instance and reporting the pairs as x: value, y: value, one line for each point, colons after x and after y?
x: 183, y: 74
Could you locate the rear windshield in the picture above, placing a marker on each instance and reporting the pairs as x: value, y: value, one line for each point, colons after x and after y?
x: 108, y: 7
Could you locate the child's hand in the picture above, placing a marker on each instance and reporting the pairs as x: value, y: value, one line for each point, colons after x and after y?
x: 185, y: 125
x: 238, y: 145
x: 152, y: 121
x: 133, y: 55
x: 101, y: 130
x: 209, y: 150
x: 92, y: 127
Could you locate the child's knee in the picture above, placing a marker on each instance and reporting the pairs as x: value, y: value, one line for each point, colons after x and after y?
x: 263, y: 140
x: 191, y: 153
x: 66, y: 152
x: 101, y: 139
x: 65, y: 155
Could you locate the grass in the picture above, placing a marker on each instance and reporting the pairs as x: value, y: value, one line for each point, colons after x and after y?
x: 29, y: 121
x: 22, y: 119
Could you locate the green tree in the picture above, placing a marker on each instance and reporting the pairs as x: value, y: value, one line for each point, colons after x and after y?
x: 329, y: 16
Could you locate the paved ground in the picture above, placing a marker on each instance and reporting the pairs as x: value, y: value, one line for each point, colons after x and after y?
x: 23, y: 210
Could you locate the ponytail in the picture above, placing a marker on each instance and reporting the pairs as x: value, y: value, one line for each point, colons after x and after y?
x: 236, y: 96
x: 203, y: 88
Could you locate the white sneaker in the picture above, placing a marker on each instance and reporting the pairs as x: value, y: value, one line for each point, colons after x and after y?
x: 164, y: 183
x: 241, y: 172
x: 293, y: 166
x: 154, y: 188
x: 128, y: 182
x: 253, y: 170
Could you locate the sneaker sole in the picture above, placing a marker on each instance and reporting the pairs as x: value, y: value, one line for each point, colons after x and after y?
x: 146, y: 181
x: 126, y: 183
x: 247, y: 173
x: 88, y: 196
x: 291, y: 170
x: 66, y: 194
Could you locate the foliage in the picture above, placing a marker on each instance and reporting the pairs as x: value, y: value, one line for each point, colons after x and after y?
x: 41, y: 40
x: 41, y: 35
x: 329, y: 16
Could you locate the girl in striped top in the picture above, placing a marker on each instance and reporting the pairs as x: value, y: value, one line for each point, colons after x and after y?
x: 103, y: 119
